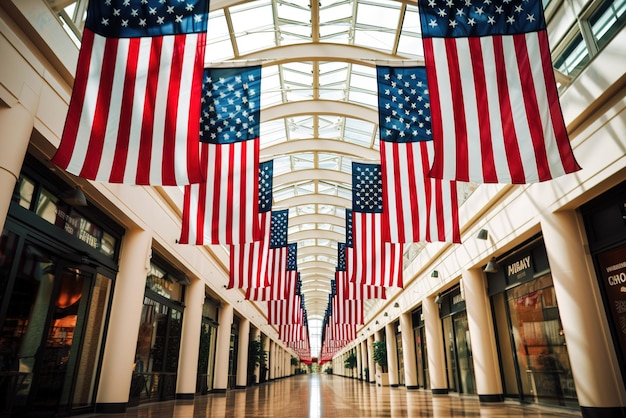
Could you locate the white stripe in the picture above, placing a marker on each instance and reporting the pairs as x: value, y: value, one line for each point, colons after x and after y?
x: 85, y: 125
x: 160, y: 110
x: 446, y: 109
x: 518, y: 109
x: 115, y: 107
x: 470, y: 108
x: 552, y: 149
x: 195, y: 230
x: 420, y: 173
x: 184, y: 104
x: 404, y: 172
x: 493, y: 103
x: 388, y: 165
x: 251, y: 177
x: 211, y: 193
x: 136, y: 117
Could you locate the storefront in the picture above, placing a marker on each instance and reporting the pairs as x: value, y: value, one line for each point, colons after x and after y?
x: 208, y: 342
x: 456, y: 337
x: 605, y: 222
x: 532, y: 348
x: 158, y: 341
x: 57, y: 269
x: 400, y: 356
x: 421, y: 355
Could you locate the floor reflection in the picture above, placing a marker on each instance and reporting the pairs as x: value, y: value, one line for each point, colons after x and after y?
x: 324, y: 396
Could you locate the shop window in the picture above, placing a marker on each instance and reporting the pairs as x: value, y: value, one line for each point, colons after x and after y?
x: 574, y: 58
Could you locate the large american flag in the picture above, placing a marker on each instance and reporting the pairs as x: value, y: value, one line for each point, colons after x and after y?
x: 277, y: 259
x: 248, y: 262
x: 415, y: 207
x: 376, y: 263
x: 223, y: 209
x: 137, y: 93
x: 495, y: 108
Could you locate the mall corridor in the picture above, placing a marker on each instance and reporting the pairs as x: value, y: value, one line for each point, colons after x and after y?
x: 325, y: 396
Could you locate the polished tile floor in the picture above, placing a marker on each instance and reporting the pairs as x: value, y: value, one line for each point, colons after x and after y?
x: 322, y: 396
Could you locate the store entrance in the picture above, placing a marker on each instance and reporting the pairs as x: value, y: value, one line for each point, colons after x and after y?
x: 42, y: 331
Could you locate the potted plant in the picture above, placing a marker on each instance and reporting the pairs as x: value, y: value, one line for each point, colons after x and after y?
x: 380, y: 358
x: 350, y: 361
x: 257, y: 357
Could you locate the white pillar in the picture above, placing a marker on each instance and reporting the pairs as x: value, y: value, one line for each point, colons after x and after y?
x: 121, y: 341
x: 272, y: 361
x: 222, y: 350
x: 370, y: 359
x: 595, y: 368
x: 190, y: 341
x: 481, y: 329
x: 408, y: 351
x: 267, y: 348
x: 392, y: 354
x: 434, y: 339
x: 16, y: 126
x: 359, y: 362
x: 364, y: 361
x: 242, y: 354
x: 254, y: 336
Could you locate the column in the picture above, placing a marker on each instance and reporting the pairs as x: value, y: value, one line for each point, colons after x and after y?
x: 222, y: 350
x: 254, y: 336
x: 121, y: 341
x: 370, y: 359
x: 242, y: 354
x: 266, y: 348
x: 16, y: 126
x: 483, y: 338
x: 434, y: 341
x: 392, y: 354
x: 359, y: 363
x: 364, y: 360
x: 190, y: 341
x: 595, y: 368
x: 272, y: 360
x: 408, y: 351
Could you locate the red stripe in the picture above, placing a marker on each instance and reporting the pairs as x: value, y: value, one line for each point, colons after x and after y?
x: 195, y: 109
x: 511, y: 145
x: 484, y: 123
x: 560, y: 131
x: 120, y: 156
x: 439, y: 213
x: 234, y: 235
x: 70, y: 131
x: 168, y: 172
x: 436, y: 170
x: 216, y: 192
x: 460, y: 123
x: 257, y: 233
x: 531, y: 105
x: 454, y: 205
x: 101, y: 111
x: 147, y: 121
x: 414, y: 233
x: 202, y: 196
x: 423, y: 147
x: 184, y: 232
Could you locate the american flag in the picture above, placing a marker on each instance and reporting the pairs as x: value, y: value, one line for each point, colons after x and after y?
x: 223, y: 209
x: 496, y: 116
x: 415, y: 207
x: 138, y: 85
x: 347, y: 289
x: 292, y: 257
x: 248, y: 262
x: 277, y: 258
x: 376, y: 263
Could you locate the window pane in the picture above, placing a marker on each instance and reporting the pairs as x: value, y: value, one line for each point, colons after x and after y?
x: 574, y: 58
x: 607, y: 20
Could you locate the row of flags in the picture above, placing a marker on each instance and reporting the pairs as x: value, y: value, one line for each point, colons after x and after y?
x: 484, y: 108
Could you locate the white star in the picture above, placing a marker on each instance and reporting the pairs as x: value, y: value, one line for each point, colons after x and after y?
x: 471, y: 21
x: 510, y: 20
x: 179, y: 18
x: 170, y: 9
x: 479, y: 11
x: 105, y: 22
x: 518, y: 8
x: 530, y: 18
x: 491, y: 20
x: 152, y: 10
x: 116, y: 12
x: 449, y: 3
x: 126, y: 3
x: 460, y: 12
x: 197, y: 18
x: 499, y: 10
x: 452, y: 23
x: 441, y: 12
x: 124, y: 23
x: 189, y: 7
x: 142, y: 22
x: 160, y: 20
x: 432, y: 3
x: 134, y: 13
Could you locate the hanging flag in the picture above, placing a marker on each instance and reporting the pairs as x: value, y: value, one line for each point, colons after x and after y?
x: 277, y: 259
x: 248, y: 262
x: 495, y: 108
x: 223, y: 210
x: 138, y: 85
x: 416, y: 208
x: 376, y: 263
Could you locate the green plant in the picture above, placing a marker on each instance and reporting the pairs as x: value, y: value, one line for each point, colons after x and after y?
x: 295, y: 361
x: 350, y: 361
x: 258, y: 356
x: 380, y: 354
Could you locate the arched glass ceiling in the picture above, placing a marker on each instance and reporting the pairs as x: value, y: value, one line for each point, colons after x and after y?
x: 318, y: 105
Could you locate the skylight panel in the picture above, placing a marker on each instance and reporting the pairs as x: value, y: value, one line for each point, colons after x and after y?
x: 300, y: 127
x: 282, y: 165
x: 328, y: 161
x: 272, y: 132
x: 410, y: 43
x: 294, y: 12
x: 375, y: 39
x: 383, y: 14
x: 253, y: 24
x: 302, y: 161
x: 219, y: 46
x: 331, y: 11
